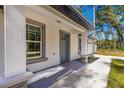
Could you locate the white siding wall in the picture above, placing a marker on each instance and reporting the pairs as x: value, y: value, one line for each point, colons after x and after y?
x: 13, y: 48
x: 84, y: 43
x: 74, y: 46
x: 90, y: 47
x: 52, y: 41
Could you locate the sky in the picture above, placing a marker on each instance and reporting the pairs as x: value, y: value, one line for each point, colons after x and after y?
x: 88, y: 13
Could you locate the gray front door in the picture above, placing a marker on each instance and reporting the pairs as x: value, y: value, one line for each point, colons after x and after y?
x: 64, y: 46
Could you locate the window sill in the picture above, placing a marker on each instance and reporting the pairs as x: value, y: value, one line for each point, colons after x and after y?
x: 38, y: 60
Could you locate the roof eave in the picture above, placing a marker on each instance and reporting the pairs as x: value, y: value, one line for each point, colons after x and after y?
x: 83, y: 18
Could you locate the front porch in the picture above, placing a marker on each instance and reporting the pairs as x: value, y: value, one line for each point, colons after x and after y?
x: 48, y: 77
x: 31, y: 40
x: 78, y: 75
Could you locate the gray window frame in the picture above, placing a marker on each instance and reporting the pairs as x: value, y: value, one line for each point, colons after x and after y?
x: 35, y: 41
x: 79, y: 43
x: 43, y: 53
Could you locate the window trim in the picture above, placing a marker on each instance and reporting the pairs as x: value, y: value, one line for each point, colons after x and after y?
x: 79, y: 44
x: 43, y: 42
x: 32, y: 41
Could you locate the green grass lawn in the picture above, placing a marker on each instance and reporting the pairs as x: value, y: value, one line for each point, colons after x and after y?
x: 111, y: 52
x: 116, y: 75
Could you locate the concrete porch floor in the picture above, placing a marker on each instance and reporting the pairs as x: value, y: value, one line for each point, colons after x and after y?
x: 78, y: 75
x: 95, y: 75
x: 47, y: 78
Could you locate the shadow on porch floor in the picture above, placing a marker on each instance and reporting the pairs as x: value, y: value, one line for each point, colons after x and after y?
x: 68, y: 67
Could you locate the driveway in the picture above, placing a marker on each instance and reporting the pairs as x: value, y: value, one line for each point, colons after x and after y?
x: 111, y: 57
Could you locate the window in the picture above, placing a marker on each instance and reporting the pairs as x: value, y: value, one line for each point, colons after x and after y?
x: 79, y: 43
x: 35, y: 40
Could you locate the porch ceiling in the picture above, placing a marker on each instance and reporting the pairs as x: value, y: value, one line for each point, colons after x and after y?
x: 72, y: 14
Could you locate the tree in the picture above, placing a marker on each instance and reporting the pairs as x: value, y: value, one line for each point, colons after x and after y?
x: 110, y: 19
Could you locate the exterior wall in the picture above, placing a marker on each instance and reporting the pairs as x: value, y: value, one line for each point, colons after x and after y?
x: 90, y: 46
x: 74, y: 46
x: 84, y: 43
x: 15, y: 46
x: 52, y: 40
x: 2, y: 49
x: 95, y: 47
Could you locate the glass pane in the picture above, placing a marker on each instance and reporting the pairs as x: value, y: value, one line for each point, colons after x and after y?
x: 33, y: 33
x: 33, y: 55
x: 79, y: 42
x: 33, y: 46
x: 33, y: 37
x: 38, y: 36
x: 31, y: 27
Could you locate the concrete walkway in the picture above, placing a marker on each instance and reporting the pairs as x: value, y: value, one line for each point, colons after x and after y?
x: 94, y: 76
x: 111, y: 57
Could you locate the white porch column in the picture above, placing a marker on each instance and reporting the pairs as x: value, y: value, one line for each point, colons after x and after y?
x: 14, y: 35
x: 13, y: 47
x: 84, y: 43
